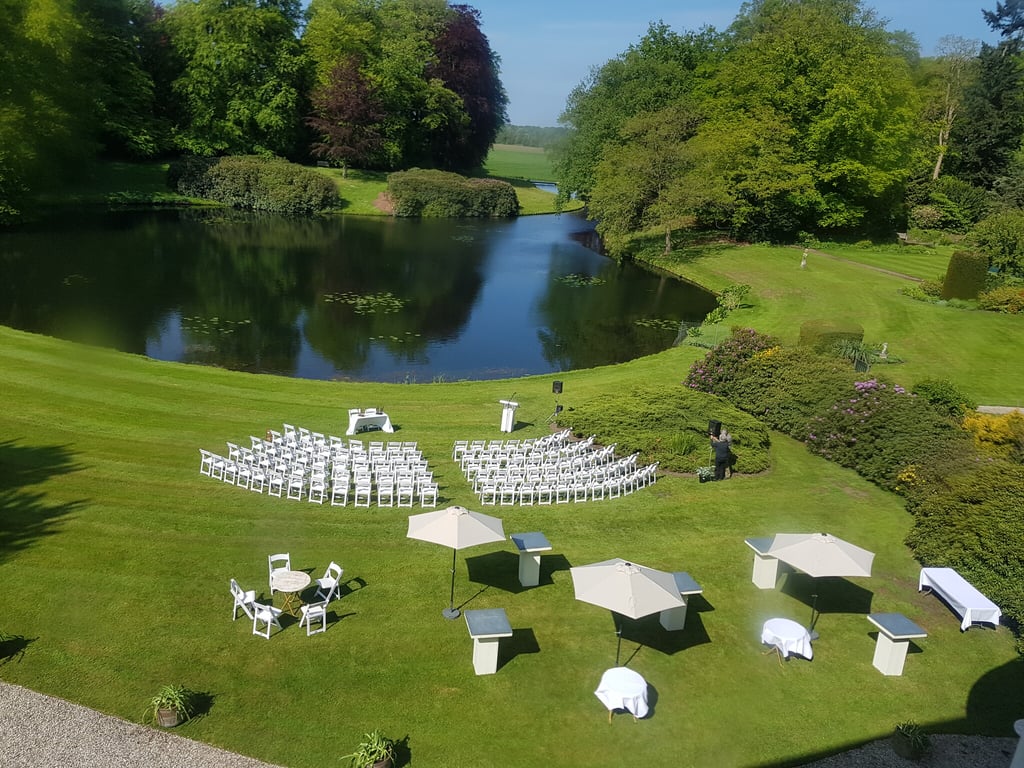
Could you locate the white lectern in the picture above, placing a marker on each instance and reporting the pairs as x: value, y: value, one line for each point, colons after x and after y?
x: 508, y: 414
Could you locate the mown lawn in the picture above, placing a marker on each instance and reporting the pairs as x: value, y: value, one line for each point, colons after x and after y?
x: 979, y: 351
x: 115, y: 556
x: 512, y: 161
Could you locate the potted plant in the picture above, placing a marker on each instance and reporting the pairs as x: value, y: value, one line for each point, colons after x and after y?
x: 375, y: 751
x: 909, y: 740
x: 704, y: 474
x: 171, y: 705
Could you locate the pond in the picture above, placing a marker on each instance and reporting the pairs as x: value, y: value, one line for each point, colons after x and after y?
x: 357, y: 298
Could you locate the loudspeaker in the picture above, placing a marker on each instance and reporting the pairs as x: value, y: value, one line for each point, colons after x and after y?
x: 558, y: 409
x: 715, y: 427
x: 556, y: 387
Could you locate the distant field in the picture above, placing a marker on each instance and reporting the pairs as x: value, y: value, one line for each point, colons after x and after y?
x: 513, y: 161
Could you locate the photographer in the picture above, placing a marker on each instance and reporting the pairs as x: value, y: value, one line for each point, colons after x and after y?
x: 721, y: 444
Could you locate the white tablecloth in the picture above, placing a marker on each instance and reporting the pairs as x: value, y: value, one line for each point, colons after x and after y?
x: 788, y: 636
x: 622, y: 688
x: 967, y: 601
x: 359, y: 420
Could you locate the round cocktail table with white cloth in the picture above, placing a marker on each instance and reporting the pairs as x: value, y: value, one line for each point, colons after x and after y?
x: 291, y: 583
x: 788, y: 636
x: 622, y: 688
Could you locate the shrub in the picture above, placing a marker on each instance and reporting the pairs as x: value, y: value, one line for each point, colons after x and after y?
x: 823, y: 335
x: 945, y: 397
x: 916, y: 292
x: 669, y: 425
x: 254, y: 183
x: 1001, y: 238
x: 965, y: 275
x: 879, y: 429
x: 721, y: 366
x: 1007, y: 298
x: 439, y: 194
x: 926, y: 217
x: 1000, y: 435
x: 932, y: 288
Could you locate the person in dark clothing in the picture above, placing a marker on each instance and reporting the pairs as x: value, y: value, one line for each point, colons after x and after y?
x: 722, y: 446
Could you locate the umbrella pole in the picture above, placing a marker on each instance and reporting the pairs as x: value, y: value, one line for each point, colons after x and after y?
x: 451, y: 612
x: 618, y: 632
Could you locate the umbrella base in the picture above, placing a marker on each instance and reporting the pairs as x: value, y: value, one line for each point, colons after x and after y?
x: 451, y: 613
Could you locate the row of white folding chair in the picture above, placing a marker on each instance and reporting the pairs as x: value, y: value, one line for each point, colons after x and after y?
x: 387, y: 496
x: 474, y: 446
x: 563, y: 491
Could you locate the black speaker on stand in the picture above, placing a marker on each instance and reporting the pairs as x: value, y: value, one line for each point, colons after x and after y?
x: 556, y: 390
x: 714, y: 428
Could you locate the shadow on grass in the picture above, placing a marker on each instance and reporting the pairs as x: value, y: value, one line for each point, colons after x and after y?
x: 12, y: 647
x: 25, y: 516
x: 834, y: 595
x: 522, y: 642
x: 501, y: 570
x: 649, y: 633
x: 403, y: 753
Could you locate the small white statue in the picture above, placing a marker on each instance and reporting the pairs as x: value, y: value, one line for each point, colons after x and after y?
x: 884, y: 354
x: 803, y: 260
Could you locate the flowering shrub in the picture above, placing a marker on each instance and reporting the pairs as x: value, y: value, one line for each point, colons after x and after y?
x: 880, y: 429
x: 723, y: 363
x: 997, y: 435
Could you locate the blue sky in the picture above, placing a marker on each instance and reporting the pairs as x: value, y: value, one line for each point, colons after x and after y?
x: 547, y: 47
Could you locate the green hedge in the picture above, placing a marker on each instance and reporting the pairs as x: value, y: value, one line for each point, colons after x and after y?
x: 439, y: 194
x: 1006, y: 298
x: 254, y: 183
x: 965, y: 276
x: 669, y: 424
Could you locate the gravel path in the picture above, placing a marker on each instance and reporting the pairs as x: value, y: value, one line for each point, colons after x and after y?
x: 38, y: 731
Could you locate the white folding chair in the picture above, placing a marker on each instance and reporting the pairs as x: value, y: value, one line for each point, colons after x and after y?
x: 386, y: 493
x: 428, y: 495
x: 327, y: 587
x: 363, y: 494
x: 268, y: 616
x: 279, y: 562
x: 296, y: 484
x: 243, y: 599
x: 258, y: 480
x: 317, y: 488
x: 275, y: 485
x: 206, y: 463
x: 339, y: 491
x: 406, y: 494
x: 314, y: 612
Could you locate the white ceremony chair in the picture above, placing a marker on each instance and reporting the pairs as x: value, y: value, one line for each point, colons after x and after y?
x: 328, y: 586
x: 275, y: 485
x: 206, y: 463
x: 314, y: 612
x: 428, y: 495
x: 386, y: 492
x: 230, y: 473
x: 243, y: 599
x: 406, y: 493
x: 339, y: 491
x: 268, y: 616
x: 280, y: 562
x: 317, y: 488
x: 296, y: 484
x: 562, y: 492
x: 363, y: 493
x: 258, y: 480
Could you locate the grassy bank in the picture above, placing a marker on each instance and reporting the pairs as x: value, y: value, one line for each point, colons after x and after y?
x: 115, y: 555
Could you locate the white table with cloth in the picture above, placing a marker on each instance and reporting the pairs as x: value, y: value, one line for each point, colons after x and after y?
x: 622, y: 688
x: 358, y: 420
x: 963, y: 598
x: 788, y: 636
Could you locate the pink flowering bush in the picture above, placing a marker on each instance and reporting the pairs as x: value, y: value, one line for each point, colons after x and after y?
x: 721, y: 366
x: 879, y: 429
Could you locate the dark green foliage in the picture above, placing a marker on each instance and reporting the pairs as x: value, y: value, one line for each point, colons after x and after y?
x: 434, y: 194
x: 723, y: 364
x: 975, y: 525
x: 669, y: 425
x: 823, y: 335
x: 254, y: 183
x: 1005, y: 298
x: 1001, y: 238
x: 945, y: 397
x: 965, y: 275
x: 880, y: 429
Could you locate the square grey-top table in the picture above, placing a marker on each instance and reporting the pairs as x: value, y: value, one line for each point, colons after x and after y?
x: 766, y: 567
x: 673, y: 619
x: 894, y: 636
x: 530, y: 545
x: 487, y: 627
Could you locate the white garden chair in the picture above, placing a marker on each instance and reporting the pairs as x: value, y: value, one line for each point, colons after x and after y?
x: 279, y: 562
x: 330, y: 583
x: 266, y: 615
x: 243, y: 599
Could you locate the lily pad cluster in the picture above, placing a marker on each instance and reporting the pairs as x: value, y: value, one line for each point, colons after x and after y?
x: 577, y: 280
x: 209, y: 326
x: 399, y: 339
x: 660, y: 323
x: 369, y: 303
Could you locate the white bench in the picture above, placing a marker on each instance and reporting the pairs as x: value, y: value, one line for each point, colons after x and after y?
x: 958, y: 593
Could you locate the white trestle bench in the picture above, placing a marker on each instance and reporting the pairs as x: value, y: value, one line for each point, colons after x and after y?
x: 960, y: 595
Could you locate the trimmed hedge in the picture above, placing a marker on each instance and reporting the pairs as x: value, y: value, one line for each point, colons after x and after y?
x: 254, y: 183
x: 965, y: 275
x: 439, y: 194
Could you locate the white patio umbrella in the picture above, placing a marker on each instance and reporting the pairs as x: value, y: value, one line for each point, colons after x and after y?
x: 458, y: 528
x: 626, y: 588
x: 820, y: 554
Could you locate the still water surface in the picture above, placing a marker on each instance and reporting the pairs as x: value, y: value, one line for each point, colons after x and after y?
x: 341, y: 297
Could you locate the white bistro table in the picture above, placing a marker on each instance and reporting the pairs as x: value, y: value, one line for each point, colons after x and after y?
x: 895, y: 631
x: 788, y: 637
x: 961, y: 596
x: 674, y: 619
x: 766, y: 567
x: 622, y: 688
x: 359, y: 420
x: 530, y: 545
x: 487, y: 626
x: 291, y: 583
